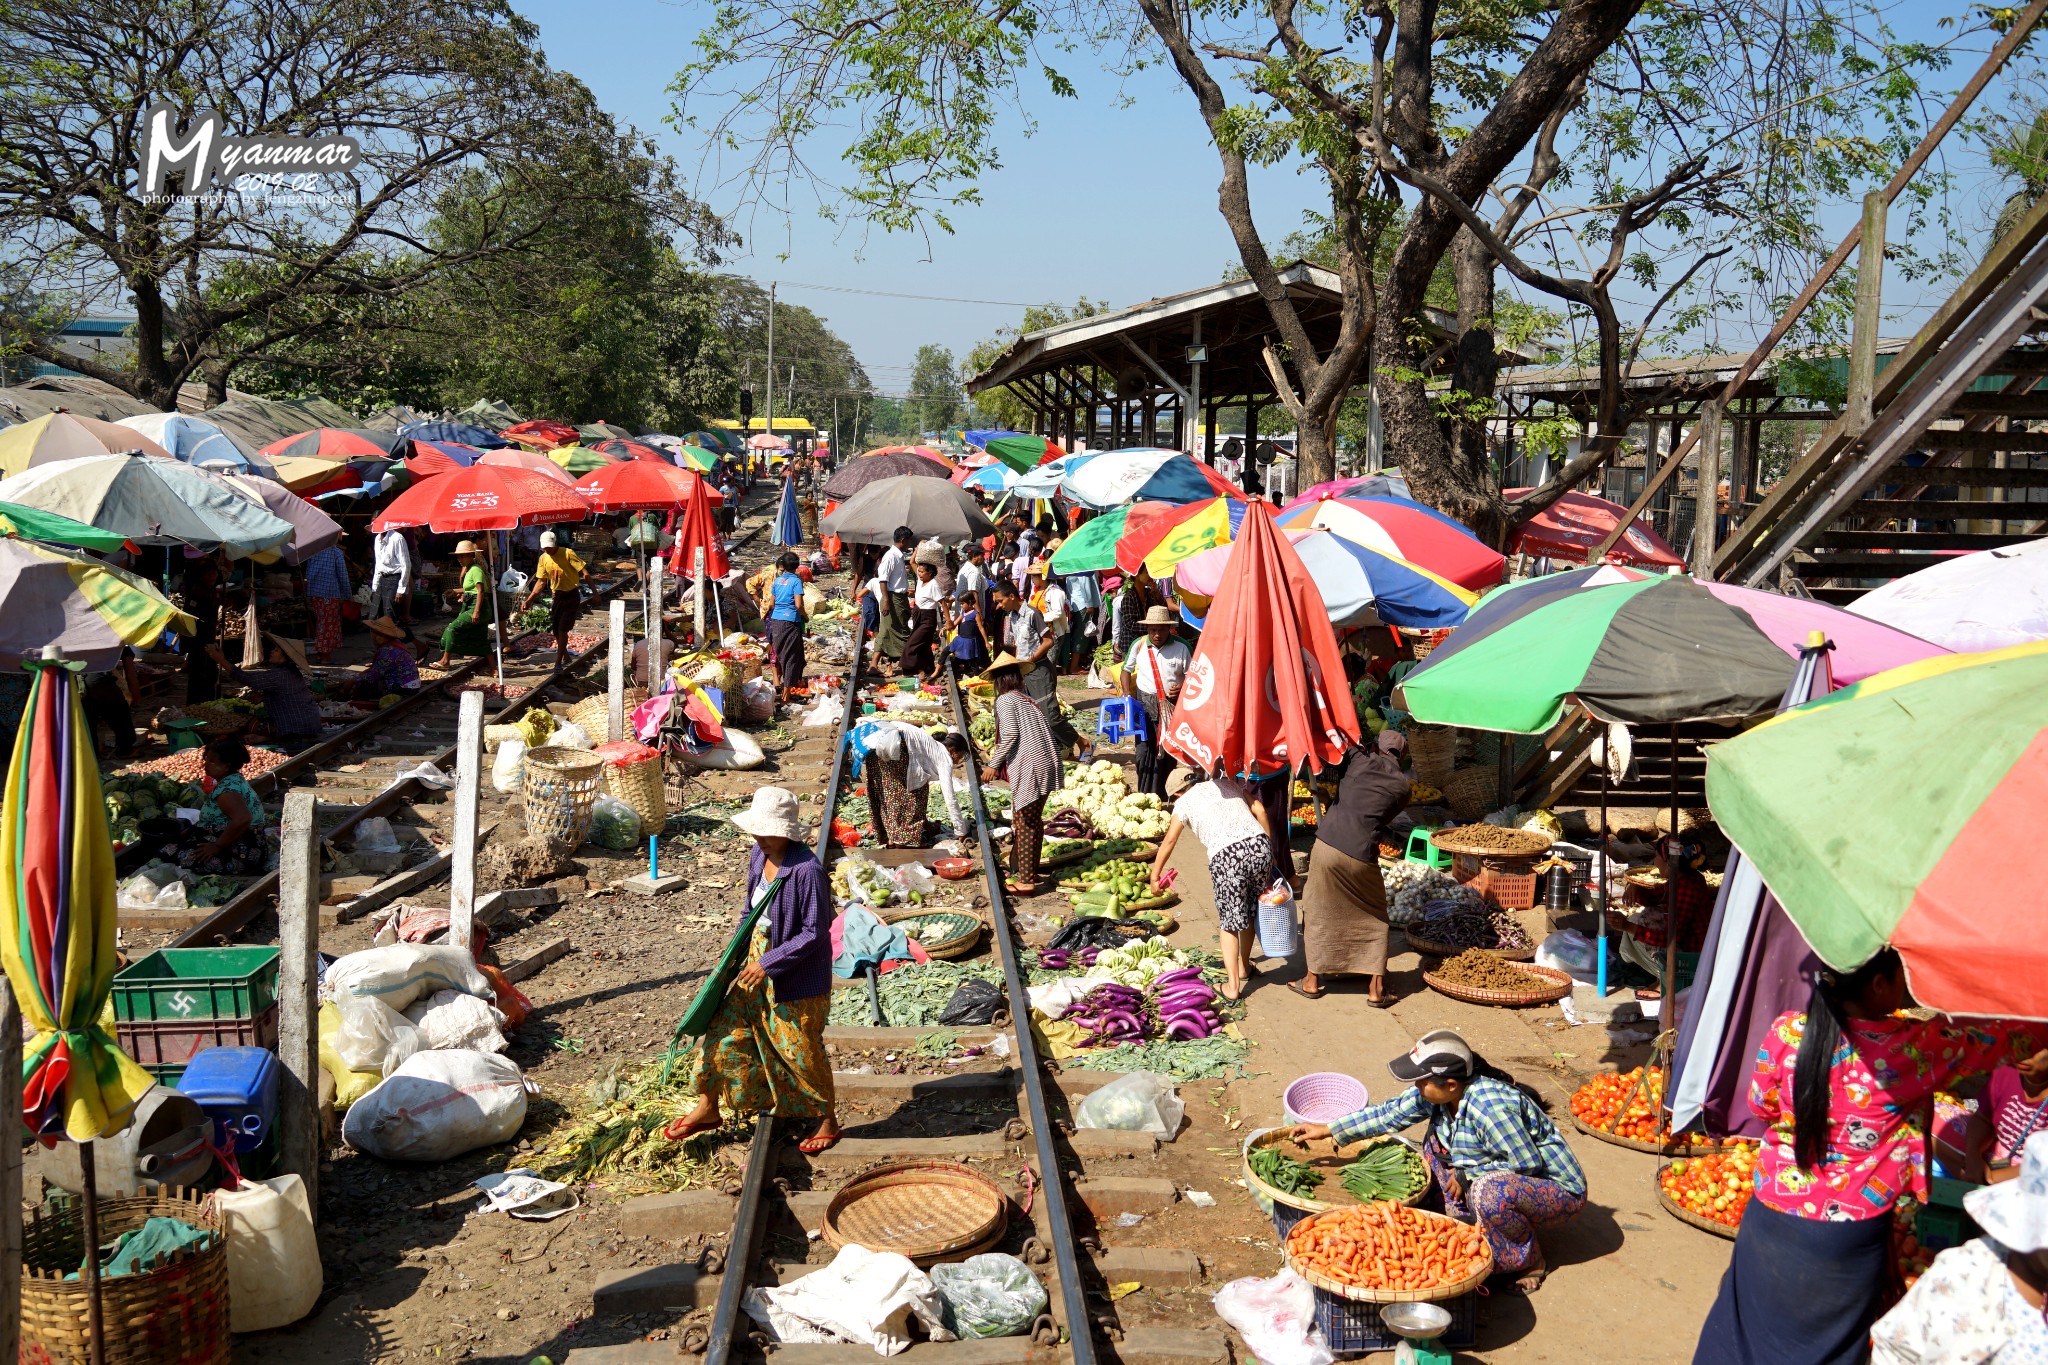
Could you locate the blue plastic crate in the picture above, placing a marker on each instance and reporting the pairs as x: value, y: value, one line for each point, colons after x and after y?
x: 1351, y: 1327
x: 236, y: 1087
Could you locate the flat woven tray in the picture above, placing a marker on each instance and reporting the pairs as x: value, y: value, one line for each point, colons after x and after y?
x: 1685, y: 1215
x: 929, y: 1211
x: 1525, y: 842
x: 1551, y: 985
x: 1435, y: 949
x: 1639, y: 1145
x: 1363, y: 1294
x: 952, y: 933
x: 1308, y: 1203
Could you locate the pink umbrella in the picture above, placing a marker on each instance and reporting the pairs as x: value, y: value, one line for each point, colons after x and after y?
x: 1861, y: 646
x: 512, y: 457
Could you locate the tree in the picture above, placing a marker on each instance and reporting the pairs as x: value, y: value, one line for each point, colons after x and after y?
x: 1001, y: 407
x: 446, y: 98
x: 934, y: 388
x: 1681, y: 150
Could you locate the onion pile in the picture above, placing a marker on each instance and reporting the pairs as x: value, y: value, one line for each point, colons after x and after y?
x: 189, y: 765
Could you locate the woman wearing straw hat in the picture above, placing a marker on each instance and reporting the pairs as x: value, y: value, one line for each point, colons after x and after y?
x: 289, y: 708
x: 394, y: 668
x: 1981, y: 1303
x: 1026, y: 757
x: 764, y: 1052
x: 468, y: 634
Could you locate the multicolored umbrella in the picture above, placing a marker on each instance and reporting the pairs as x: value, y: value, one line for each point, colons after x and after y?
x: 926, y: 451
x: 151, y: 502
x: 1153, y: 535
x: 1905, y: 810
x: 1406, y: 532
x: 1103, y: 479
x: 1387, y: 483
x: 50, y: 596
x: 580, y: 460
x: 1358, y: 587
x: 312, y: 529
x: 642, y: 486
x: 342, y: 443
x: 788, y: 529
x: 1577, y: 523
x: 1265, y: 691
x: 516, y: 457
x: 979, y: 439
x: 439, y: 457
x: 624, y: 448
x: 728, y: 441
x: 541, y: 434
x: 460, y: 433
x: 58, y: 919
x: 858, y: 474
x: 66, y: 436
x: 1022, y: 452
x: 695, y: 457
x: 988, y: 478
x: 197, y: 441
x: 32, y: 523
x: 1992, y: 599
x: 1652, y: 649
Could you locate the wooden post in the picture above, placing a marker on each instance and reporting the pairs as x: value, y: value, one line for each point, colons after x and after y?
x: 698, y: 592
x: 469, y: 775
x: 654, y: 669
x: 298, y: 981
x: 1706, y: 514
x: 10, y: 1174
x: 1863, y: 328
x: 615, y: 717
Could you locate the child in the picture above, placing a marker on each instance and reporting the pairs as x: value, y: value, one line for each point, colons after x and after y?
x: 969, y: 647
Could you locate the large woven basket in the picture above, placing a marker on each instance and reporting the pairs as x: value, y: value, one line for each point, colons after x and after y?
x: 1679, y: 1149
x: 942, y: 933
x: 1434, y: 752
x: 1495, y: 843
x: 1366, y: 1294
x: 638, y: 784
x: 1549, y: 984
x: 176, y: 1314
x: 929, y: 1211
x: 1686, y: 1215
x: 558, y: 789
x: 1472, y: 791
x: 594, y: 714
x: 1431, y: 948
x: 1309, y: 1203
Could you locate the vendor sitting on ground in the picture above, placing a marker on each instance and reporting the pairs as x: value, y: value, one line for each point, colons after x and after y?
x: 394, y: 668
x: 1643, y: 941
x: 228, y: 838
x: 1496, y: 1157
x: 289, y: 709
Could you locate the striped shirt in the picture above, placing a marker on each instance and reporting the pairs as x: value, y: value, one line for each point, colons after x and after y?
x: 1494, y: 1128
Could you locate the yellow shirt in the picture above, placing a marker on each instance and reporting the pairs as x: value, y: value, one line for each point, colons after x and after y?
x: 560, y: 569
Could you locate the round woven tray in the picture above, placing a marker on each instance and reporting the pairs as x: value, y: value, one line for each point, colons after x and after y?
x: 1527, y: 843
x: 1308, y: 1203
x: 929, y: 1211
x: 1066, y: 859
x: 1639, y: 1145
x: 965, y: 930
x: 1363, y: 1294
x: 1685, y: 1215
x: 1558, y: 987
x: 1435, y: 949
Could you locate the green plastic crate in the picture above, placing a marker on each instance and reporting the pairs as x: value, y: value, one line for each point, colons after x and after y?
x: 182, y: 984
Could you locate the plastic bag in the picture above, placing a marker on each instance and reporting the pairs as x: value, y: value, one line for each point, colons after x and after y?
x: 1279, y: 931
x: 374, y: 1037
x: 1135, y: 1102
x: 914, y: 877
x: 402, y: 973
x: 990, y: 1295
x: 375, y: 835
x: 151, y: 880
x: 1570, y: 952
x: 757, y: 700
x: 1276, y: 1318
x: 570, y: 735
x: 974, y: 1002
x: 523, y: 1194
x: 513, y: 581
x: 450, y: 1019
x: 426, y: 774
x: 508, y: 766
x: 350, y: 1084
x: 827, y: 711
x: 437, y: 1106
x: 737, y: 750
x: 614, y: 824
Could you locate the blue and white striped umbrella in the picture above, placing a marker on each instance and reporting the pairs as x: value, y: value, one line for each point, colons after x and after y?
x: 789, y: 528
x: 991, y: 478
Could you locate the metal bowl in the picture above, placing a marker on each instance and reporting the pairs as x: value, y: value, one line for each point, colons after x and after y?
x: 1422, y: 1321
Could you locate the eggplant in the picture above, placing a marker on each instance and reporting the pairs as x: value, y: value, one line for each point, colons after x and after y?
x: 1186, y: 1030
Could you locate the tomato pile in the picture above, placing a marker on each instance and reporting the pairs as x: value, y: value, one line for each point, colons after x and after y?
x: 1595, y: 1104
x: 1715, y: 1186
x: 1389, y: 1246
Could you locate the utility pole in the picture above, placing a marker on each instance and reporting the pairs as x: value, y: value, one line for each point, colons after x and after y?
x: 770, y: 419
x: 834, y: 453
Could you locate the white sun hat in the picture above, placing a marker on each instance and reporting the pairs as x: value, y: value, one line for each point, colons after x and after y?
x: 772, y: 816
x: 2015, y: 1213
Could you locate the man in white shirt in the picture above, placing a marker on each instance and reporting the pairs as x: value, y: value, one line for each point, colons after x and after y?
x: 973, y: 576
x: 894, y: 571
x: 1153, y: 673
x: 1054, y: 609
x: 390, y: 574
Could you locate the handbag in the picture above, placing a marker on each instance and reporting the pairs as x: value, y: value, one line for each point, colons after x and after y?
x: 696, y: 1020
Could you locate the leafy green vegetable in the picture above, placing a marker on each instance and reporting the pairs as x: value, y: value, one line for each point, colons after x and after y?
x: 1217, y: 1057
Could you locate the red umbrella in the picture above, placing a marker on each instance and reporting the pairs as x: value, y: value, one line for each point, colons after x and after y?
x: 1574, y: 525
x: 641, y: 486
x: 625, y: 449
x: 542, y: 434
x: 439, y: 457
x: 512, y: 457
x: 342, y: 443
x: 696, y: 531
x: 1265, y: 691
x: 483, y: 497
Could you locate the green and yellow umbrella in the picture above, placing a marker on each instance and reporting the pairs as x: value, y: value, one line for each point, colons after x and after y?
x: 57, y: 916
x: 1907, y: 810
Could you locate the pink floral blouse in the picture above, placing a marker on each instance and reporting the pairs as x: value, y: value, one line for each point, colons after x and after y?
x: 1883, y: 1080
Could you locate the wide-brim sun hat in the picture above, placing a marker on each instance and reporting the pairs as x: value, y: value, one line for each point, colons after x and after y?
x: 1159, y: 616
x: 467, y: 547
x: 2015, y: 1213
x: 772, y: 816
x: 1004, y: 661
x: 293, y: 650
x: 386, y: 627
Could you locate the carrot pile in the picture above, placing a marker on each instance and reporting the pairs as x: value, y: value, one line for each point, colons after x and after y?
x: 1388, y: 1246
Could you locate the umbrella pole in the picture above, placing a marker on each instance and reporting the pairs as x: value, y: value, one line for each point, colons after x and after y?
x: 1600, y: 874
x: 89, y: 1203
x: 497, y: 626
x: 1669, y: 1018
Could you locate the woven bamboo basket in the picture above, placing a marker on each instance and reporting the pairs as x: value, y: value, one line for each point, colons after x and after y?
x: 952, y: 934
x: 176, y: 1314
x: 1309, y: 1203
x: 1471, y: 792
x: 1639, y: 1145
x: 558, y: 790
x: 594, y: 713
x: 1686, y: 1215
x: 929, y: 1211
x: 1366, y: 1294
x: 1431, y: 948
x: 638, y: 783
x: 1549, y: 985
x: 1422, y: 643
x: 1434, y: 752
x: 1497, y: 843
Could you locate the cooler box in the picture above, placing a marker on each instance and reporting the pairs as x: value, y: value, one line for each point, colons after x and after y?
x: 237, y: 1087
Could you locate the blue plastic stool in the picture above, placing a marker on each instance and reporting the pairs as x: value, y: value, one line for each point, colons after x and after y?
x: 1421, y: 850
x: 1118, y: 719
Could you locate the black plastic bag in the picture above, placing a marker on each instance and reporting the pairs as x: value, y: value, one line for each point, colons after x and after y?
x: 974, y: 1002
x: 1096, y: 931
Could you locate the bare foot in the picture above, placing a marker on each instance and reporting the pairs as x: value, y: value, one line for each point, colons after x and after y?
x: 1532, y: 1277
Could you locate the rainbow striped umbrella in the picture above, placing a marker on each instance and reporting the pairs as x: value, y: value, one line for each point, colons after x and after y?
x: 1906, y: 810
x: 57, y: 916
x: 1405, y: 531
x: 1154, y: 535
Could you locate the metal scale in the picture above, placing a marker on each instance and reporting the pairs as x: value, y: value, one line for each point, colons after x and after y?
x: 1420, y: 1325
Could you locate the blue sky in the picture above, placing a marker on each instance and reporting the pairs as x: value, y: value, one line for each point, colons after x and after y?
x: 1113, y: 198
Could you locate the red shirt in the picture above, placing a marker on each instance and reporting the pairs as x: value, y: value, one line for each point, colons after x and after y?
x: 1695, y: 911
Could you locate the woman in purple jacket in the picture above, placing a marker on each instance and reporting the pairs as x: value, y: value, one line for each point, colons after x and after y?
x: 764, y: 1052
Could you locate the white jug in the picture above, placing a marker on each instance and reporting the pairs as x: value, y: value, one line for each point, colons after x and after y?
x: 273, y: 1256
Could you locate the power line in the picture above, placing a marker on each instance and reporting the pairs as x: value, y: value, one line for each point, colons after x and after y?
x: 923, y: 298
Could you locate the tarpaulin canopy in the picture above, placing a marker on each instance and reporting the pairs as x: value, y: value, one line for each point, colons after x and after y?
x: 1577, y: 523
x: 1905, y: 810
x: 1265, y: 692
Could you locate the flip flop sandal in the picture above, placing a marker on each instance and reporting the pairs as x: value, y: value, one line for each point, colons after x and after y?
x: 814, y: 1144
x: 682, y: 1130
x: 1316, y: 994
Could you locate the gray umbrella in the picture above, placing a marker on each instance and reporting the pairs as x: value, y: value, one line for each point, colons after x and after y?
x: 929, y: 507
x: 858, y: 474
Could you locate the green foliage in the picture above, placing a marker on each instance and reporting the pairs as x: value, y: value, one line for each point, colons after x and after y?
x: 1000, y: 407
x: 934, y: 389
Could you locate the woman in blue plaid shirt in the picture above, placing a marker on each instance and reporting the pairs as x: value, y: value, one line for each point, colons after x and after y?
x: 1496, y: 1157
